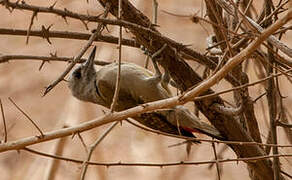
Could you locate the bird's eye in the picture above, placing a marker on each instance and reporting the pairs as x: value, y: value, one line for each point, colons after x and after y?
x: 77, y: 73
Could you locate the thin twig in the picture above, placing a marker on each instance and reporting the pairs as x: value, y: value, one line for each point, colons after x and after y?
x: 92, y: 148
x: 4, y: 122
x: 201, y: 19
x: 159, y: 165
x: 256, y: 27
x: 34, y: 15
x: 69, y: 35
x: 259, y: 97
x: 154, y: 11
x: 14, y: 57
x: 54, y: 164
x: 274, y: 12
x: 217, y: 164
x: 272, y: 99
x: 27, y: 116
x: 118, y: 78
x: 282, y: 124
x: 288, y: 175
x: 82, y: 142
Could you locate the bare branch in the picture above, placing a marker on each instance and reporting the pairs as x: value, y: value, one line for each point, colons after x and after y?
x: 34, y: 15
x: 7, y: 58
x: 157, y: 164
x: 4, y: 122
x: 285, y: 125
x: 27, y: 116
x: 92, y: 148
x: 69, y: 35
x: 118, y: 79
x: 217, y: 164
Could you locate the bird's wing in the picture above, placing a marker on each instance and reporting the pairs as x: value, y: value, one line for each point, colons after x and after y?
x: 153, y: 120
x: 181, y: 117
x: 105, y: 90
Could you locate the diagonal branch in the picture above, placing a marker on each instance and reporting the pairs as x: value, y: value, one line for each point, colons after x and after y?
x: 83, y: 50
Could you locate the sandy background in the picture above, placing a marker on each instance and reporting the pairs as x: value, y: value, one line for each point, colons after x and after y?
x: 24, y: 83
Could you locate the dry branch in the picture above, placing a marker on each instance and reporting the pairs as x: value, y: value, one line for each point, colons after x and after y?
x: 69, y: 35
x: 159, y: 165
x: 7, y: 58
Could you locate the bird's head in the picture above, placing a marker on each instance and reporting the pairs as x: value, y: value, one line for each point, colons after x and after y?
x: 82, y: 79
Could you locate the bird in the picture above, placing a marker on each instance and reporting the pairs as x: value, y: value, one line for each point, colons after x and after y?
x: 137, y: 86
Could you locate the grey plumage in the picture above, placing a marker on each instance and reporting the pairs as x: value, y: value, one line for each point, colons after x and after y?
x: 138, y: 86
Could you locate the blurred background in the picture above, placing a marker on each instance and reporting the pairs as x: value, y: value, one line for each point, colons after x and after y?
x: 25, y: 83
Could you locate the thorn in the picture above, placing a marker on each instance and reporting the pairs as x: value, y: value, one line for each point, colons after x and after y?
x: 53, y: 5
x: 85, y: 24
x: 144, y: 105
x: 40, y: 136
x: 105, y: 27
x: 65, y: 80
x: 46, y: 32
x: 65, y: 19
x: 48, y: 89
x: 98, y: 16
x: 42, y: 64
x: 188, y: 147
x: 53, y: 55
x: 154, y: 25
x: 93, y: 31
x: 6, y: 3
x: 194, y: 17
x: 71, y: 60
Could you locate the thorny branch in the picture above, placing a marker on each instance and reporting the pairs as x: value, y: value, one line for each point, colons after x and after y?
x: 156, y: 164
x: 7, y: 58
x: 92, y: 148
x: 4, y: 121
x: 68, y: 35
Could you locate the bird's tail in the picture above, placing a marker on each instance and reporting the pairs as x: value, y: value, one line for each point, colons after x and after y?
x: 182, y: 117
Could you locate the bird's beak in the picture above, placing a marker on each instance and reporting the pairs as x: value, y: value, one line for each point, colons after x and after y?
x: 90, y: 61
